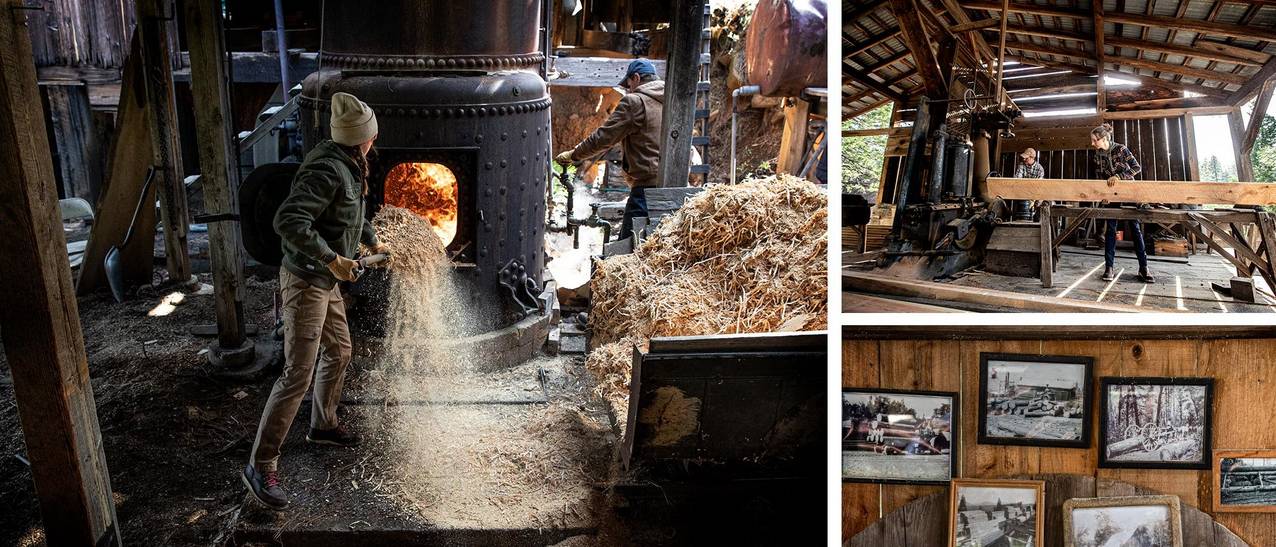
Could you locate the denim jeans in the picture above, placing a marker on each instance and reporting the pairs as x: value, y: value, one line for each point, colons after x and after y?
x: 636, y: 206
x: 1109, y: 237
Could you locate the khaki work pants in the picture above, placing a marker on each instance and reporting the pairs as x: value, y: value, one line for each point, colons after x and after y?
x: 314, y: 318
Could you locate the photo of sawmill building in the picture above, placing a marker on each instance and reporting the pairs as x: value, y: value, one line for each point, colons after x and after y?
x: 414, y: 272
x: 1061, y: 156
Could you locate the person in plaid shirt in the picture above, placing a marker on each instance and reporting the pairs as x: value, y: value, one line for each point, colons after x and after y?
x: 1115, y: 162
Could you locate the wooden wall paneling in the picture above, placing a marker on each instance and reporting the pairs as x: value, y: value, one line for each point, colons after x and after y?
x: 1174, y: 136
x: 861, y: 502
x: 926, y: 365
x: 1245, y: 372
x: 1146, y: 148
x: 1161, y: 153
x: 1075, y: 460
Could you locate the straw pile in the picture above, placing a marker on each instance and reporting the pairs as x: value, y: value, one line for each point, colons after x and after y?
x: 750, y: 257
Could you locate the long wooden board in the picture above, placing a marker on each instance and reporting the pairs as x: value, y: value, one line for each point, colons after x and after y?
x: 886, y: 285
x: 1135, y: 191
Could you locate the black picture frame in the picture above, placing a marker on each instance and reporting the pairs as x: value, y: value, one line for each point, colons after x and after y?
x: 1087, y: 393
x: 1205, y: 463
x: 954, y: 429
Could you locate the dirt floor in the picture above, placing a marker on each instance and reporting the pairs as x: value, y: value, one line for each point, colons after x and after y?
x: 176, y: 437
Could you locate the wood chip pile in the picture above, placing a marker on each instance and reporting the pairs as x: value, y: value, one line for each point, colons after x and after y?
x: 750, y: 257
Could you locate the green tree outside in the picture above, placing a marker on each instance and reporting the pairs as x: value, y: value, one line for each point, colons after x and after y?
x: 862, y: 156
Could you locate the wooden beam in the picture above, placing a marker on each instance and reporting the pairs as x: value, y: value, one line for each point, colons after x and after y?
x: 1244, y: 166
x: 865, y: 9
x: 862, y: 78
x: 217, y: 158
x: 165, y: 150
x: 1189, y: 147
x: 914, y: 34
x: 875, y: 132
x: 793, y: 139
x: 1100, y: 54
x: 1256, y: 119
x: 1175, y: 49
x: 856, y: 113
x: 1053, y: 91
x: 897, y: 57
x: 39, y: 316
x: 1031, y: 9
x: 1231, y: 50
x: 1135, y: 191
x: 1107, y: 331
x: 974, y: 25
x: 1243, y: 32
x: 1256, y: 81
x: 872, y: 42
x: 1001, y: 50
x: 1182, y: 70
x: 680, y: 92
x: 911, y: 288
x: 1042, y: 32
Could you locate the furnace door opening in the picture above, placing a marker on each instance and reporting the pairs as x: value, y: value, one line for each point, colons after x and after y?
x: 427, y: 189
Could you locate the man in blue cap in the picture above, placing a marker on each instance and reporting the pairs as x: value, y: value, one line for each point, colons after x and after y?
x: 635, y: 125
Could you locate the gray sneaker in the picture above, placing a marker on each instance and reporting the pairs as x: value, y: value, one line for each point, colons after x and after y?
x: 265, y: 488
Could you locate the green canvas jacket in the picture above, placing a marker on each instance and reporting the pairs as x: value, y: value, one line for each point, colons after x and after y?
x: 323, y: 215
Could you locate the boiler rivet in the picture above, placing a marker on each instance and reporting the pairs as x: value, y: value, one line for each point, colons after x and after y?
x: 503, y: 164
x: 505, y: 136
x: 488, y: 166
x: 478, y: 138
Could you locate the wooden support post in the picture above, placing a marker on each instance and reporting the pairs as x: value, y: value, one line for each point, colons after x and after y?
x: 1047, y: 247
x: 1189, y: 147
x: 1267, y: 231
x: 682, y: 77
x: 793, y: 140
x: 1101, y: 99
x: 157, y: 72
x: 39, y: 318
x: 1244, y: 166
x: 1256, y: 120
x: 217, y: 154
x: 908, y: 12
x: 79, y: 153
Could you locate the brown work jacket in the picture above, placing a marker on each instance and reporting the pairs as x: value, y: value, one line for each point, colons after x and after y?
x: 635, y: 125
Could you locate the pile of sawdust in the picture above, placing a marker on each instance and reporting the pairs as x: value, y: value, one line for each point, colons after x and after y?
x: 750, y: 257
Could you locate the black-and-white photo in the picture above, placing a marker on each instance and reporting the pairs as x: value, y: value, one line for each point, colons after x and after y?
x: 1247, y: 481
x: 892, y: 436
x: 1156, y: 422
x: 1039, y: 400
x: 1146, y: 521
x: 989, y: 513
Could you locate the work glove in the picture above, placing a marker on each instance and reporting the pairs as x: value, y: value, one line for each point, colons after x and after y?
x: 564, y: 158
x: 381, y: 249
x: 1112, y: 181
x: 343, y: 268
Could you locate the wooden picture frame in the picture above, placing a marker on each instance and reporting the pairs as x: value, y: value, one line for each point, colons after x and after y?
x: 883, y: 441
x: 1172, y: 502
x: 1049, y: 396
x: 1266, y: 479
x: 1148, y: 437
x: 955, y: 500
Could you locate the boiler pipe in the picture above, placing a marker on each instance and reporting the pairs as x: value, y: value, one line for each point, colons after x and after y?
x: 745, y: 90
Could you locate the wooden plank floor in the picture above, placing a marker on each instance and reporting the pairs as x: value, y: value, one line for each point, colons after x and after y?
x: 1182, y: 287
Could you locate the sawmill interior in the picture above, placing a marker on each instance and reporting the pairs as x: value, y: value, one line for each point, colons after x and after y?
x: 529, y: 361
x: 973, y: 86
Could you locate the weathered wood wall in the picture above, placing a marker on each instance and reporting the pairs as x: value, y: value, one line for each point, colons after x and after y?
x: 1244, y: 371
x: 81, y: 32
x: 1158, y: 144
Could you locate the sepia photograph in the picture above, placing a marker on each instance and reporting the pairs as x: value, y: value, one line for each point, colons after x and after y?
x: 1037, y: 400
x: 1159, y: 423
x: 898, y: 436
x: 1137, y: 521
x: 996, y: 512
x: 1245, y: 481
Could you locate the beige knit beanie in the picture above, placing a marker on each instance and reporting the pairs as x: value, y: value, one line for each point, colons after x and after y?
x: 353, y: 122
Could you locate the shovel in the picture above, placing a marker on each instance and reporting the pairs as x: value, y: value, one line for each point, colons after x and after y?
x: 369, y: 262
x: 114, y: 273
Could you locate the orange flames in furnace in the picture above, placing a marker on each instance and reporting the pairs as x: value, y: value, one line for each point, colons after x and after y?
x: 427, y: 189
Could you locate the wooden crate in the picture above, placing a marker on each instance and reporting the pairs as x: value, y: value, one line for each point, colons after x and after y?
x: 1014, y: 249
x: 1170, y: 247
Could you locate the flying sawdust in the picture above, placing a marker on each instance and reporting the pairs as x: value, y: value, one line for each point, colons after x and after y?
x: 466, y: 465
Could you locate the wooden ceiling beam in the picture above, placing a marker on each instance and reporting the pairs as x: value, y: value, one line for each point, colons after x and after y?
x: 1244, y: 32
x: 1031, y: 9
x: 1234, y: 51
x: 897, y: 57
x: 1100, y: 98
x: 864, y: 110
x: 867, y: 81
x: 915, y: 37
x: 1061, y: 80
x: 1249, y: 88
x: 1053, y: 90
x: 1176, y: 49
x: 872, y: 42
x: 868, y: 7
x: 1040, y: 32
x: 975, y: 25
x: 1182, y: 70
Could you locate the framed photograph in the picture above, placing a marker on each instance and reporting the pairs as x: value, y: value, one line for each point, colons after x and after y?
x: 1245, y: 481
x: 1155, y: 423
x: 996, y: 512
x: 1035, y: 400
x: 891, y: 436
x: 1134, y: 520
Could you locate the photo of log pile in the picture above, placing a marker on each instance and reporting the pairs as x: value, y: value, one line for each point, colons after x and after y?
x: 735, y: 259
